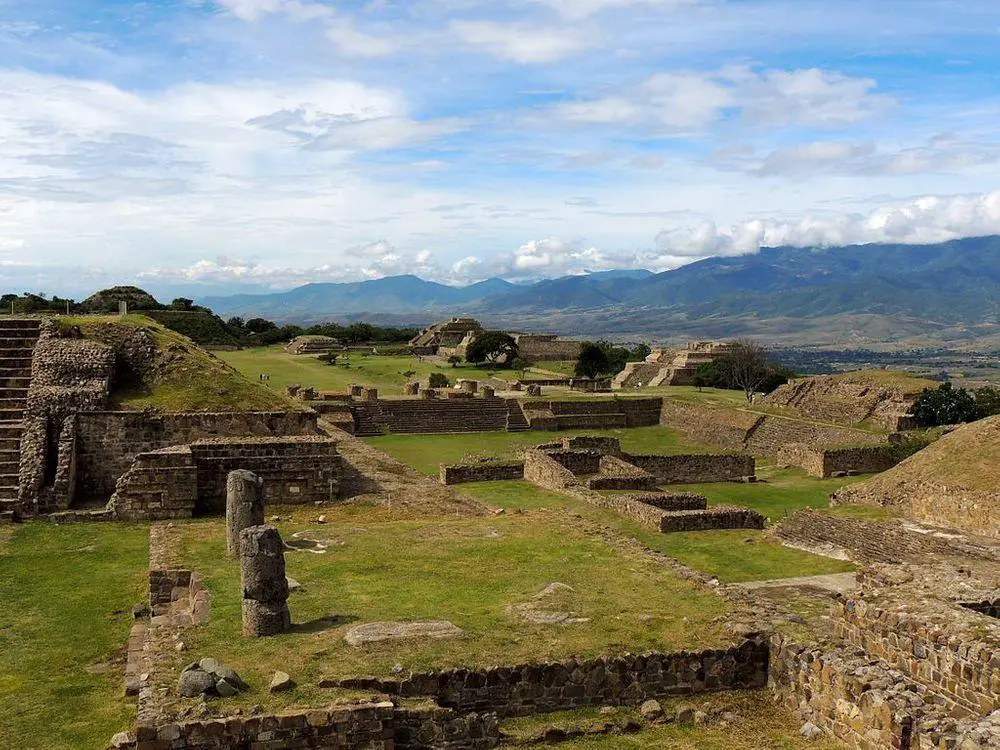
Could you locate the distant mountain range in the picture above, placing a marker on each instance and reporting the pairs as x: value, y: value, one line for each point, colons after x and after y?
x: 938, y: 286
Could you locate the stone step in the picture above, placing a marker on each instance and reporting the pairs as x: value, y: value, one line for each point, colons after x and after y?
x: 9, y: 400
x: 13, y: 414
x: 19, y: 363
x: 7, y: 516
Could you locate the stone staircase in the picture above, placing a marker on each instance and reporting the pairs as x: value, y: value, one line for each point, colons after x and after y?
x: 17, y: 343
x: 516, y: 421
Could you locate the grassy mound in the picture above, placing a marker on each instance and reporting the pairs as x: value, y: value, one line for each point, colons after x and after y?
x: 178, y: 375
x: 966, y: 458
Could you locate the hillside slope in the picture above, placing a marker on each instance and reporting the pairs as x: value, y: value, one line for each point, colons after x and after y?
x: 161, y: 369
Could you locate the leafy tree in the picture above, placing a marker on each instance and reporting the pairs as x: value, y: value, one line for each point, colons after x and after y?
x: 745, y: 366
x: 945, y: 405
x: 987, y: 401
x: 182, y: 304
x: 437, y: 380
x: 640, y: 352
x: 259, y: 325
x: 236, y: 323
x: 593, y: 360
x: 492, y: 347
x: 454, y: 360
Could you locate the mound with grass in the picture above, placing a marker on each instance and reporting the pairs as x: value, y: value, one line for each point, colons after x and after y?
x: 953, y: 482
x: 158, y: 368
x: 874, y: 398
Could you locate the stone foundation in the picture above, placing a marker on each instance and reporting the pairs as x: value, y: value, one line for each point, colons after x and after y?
x: 486, y: 471
x: 827, y: 462
x: 183, y: 481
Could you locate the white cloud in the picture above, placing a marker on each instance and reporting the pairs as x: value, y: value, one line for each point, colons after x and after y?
x: 255, y: 10
x: 520, y: 42
x: 678, y: 101
x: 922, y: 220
x: 354, y: 43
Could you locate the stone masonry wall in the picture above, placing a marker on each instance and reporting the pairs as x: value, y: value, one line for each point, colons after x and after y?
x: 695, y: 469
x: 361, y: 726
x: 577, y: 462
x: 574, y: 683
x: 486, y: 471
x: 945, y: 647
x: 704, y: 424
x: 108, y: 442
x: 826, y: 462
x: 182, y: 481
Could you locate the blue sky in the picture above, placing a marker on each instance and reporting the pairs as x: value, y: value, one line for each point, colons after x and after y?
x: 215, y: 145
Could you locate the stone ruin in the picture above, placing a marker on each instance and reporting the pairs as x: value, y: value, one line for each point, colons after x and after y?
x: 670, y: 366
x: 313, y: 345
x: 265, y: 586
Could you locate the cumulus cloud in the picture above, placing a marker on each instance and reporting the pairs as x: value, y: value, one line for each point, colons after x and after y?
x: 579, y: 9
x: 677, y: 101
x: 920, y: 221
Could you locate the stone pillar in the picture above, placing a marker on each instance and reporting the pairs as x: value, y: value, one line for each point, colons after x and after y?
x: 411, y: 389
x: 428, y: 393
x: 489, y: 392
x: 356, y: 391
x: 468, y: 386
x: 534, y: 390
x: 371, y: 394
x: 244, y: 506
x: 265, y: 587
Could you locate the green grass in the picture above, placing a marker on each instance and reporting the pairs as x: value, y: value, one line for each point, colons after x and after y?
x: 185, y: 377
x: 382, y: 372
x: 464, y: 570
x: 425, y: 452
x: 732, y: 556
x: 67, y: 594
x: 778, y: 493
x: 759, y: 724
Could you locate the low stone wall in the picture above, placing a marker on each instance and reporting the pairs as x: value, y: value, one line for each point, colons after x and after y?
x: 607, y: 445
x: 165, y: 574
x: 183, y: 481
x: 633, y: 412
x: 695, y: 469
x: 947, y: 648
x: 617, y: 474
x: 436, y: 728
x: 559, y: 686
x: 108, y: 442
x: 710, y: 519
x: 546, y: 472
x: 486, y: 471
x: 826, y: 462
x: 577, y: 462
x: 670, y: 501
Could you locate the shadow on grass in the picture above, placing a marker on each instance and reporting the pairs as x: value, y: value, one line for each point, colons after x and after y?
x: 319, y: 624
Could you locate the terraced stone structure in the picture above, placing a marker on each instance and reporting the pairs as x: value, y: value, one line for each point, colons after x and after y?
x: 313, y: 345
x: 670, y: 366
x: 17, y: 343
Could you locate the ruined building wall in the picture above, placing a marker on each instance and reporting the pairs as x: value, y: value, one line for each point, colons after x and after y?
x: 108, y: 442
x: 696, y: 469
x: 183, y: 481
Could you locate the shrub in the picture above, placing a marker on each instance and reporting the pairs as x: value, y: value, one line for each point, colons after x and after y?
x: 437, y: 380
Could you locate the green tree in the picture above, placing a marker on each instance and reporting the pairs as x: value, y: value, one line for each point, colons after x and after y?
x: 640, y: 352
x: 182, y: 304
x: 437, y: 380
x: 593, y: 361
x: 987, y: 401
x: 945, y: 405
x: 492, y: 347
x: 454, y: 360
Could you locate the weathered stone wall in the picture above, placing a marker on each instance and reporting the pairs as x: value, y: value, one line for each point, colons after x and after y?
x: 695, y: 469
x: 182, y: 481
x: 617, y: 474
x: 771, y: 433
x: 705, y: 424
x: 933, y: 503
x: 844, y: 401
x: 546, y: 472
x: 760, y: 435
x: 108, y: 442
x: 159, y: 485
x: 607, y: 445
x: 819, y: 461
x: 574, y: 683
x: 671, y: 501
x: 577, y: 462
x: 860, y: 702
x: 716, y: 517
x: 945, y: 647
x: 860, y: 540
x: 545, y: 347
x: 485, y: 471
x: 436, y: 728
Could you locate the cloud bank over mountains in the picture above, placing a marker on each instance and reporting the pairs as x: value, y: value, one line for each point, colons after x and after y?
x: 270, y: 143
